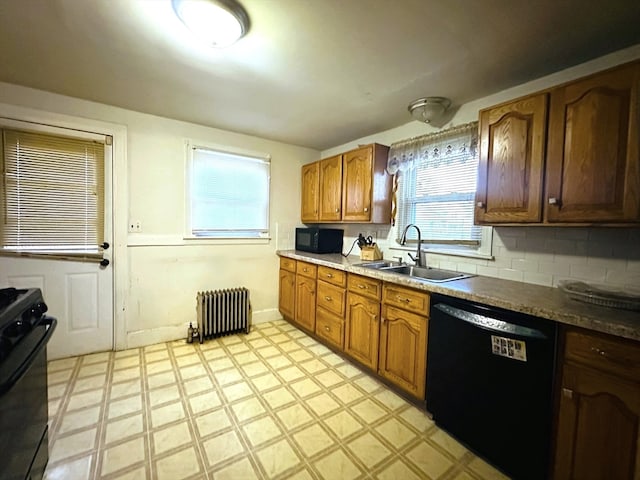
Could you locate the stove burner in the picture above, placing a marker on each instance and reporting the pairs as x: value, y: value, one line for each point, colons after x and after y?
x: 8, y: 296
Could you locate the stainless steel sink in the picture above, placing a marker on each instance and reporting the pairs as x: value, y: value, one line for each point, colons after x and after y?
x: 430, y: 274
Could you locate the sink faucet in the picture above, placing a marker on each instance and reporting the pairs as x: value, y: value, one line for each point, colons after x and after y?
x: 403, y: 241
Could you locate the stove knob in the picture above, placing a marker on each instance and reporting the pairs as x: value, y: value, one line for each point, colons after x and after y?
x: 42, y: 308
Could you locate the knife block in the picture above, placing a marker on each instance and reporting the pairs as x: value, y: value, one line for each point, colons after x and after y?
x: 370, y: 252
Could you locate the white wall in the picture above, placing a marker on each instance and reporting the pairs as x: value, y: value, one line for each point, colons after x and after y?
x: 540, y: 255
x: 158, y: 273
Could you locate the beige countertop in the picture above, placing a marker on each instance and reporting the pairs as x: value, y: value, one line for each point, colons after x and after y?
x: 545, y: 302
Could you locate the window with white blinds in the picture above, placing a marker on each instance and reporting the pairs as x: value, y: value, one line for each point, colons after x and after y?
x: 228, y: 195
x: 437, y: 190
x: 52, y: 193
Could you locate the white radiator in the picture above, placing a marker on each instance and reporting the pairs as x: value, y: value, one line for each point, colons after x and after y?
x: 223, y: 312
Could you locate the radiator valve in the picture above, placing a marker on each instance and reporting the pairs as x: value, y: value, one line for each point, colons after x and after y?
x: 190, y: 332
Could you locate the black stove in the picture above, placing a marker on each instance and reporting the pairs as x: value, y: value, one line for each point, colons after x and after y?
x: 25, y: 331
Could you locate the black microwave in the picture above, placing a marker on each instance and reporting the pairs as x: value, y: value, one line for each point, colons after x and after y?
x: 319, y: 240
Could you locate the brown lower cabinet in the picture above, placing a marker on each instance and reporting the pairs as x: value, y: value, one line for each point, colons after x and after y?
x: 287, y: 292
x: 305, y: 309
x: 403, y: 349
x: 363, y: 329
x: 598, y: 426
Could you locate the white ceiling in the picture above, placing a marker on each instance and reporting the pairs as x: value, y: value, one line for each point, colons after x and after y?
x: 316, y: 73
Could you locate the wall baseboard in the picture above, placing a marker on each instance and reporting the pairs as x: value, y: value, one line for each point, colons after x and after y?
x: 143, y: 338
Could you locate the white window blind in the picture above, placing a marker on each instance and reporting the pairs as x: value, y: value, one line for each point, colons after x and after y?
x: 229, y: 195
x: 437, y: 185
x: 52, y: 193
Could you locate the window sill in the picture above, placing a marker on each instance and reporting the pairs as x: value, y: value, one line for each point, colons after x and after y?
x: 141, y: 240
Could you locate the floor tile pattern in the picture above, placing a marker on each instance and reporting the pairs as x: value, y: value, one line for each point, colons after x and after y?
x: 273, y: 404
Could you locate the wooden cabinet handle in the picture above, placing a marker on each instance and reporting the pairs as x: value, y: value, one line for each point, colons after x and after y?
x: 554, y: 201
x: 327, y: 298
x: 403, y: 300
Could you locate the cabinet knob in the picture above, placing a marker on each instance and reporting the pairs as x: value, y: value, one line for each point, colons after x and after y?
x: 554, y: 201
x: 366, y: 209
x: 361, y: 287
x: 337, y: 210
x: 480, y: 204
x: 567, y: 393
x: 327, y: 298
x: 327, y: 328
x: 403, y: 300
x: 329, y: 275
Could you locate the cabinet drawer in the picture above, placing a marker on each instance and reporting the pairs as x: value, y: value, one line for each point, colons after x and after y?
x: 331, y: 275
x: 331, y: 298
x: 330, y: 328
x: 367, y: 287
x: 610, y: 354
x: 406, y: 298
x: 306, y: 269
x: 288, y: 264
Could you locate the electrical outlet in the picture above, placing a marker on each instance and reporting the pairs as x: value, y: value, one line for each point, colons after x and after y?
x: 135, y: 226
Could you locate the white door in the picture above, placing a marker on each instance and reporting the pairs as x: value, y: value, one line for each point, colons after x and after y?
x: 78, y: 294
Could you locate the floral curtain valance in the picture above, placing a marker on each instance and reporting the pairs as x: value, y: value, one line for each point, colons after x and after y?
x: 446, y: 145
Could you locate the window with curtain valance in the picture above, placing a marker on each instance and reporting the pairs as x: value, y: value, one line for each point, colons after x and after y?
x: 437, y: 184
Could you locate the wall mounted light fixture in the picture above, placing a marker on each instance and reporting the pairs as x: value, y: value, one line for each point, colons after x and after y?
x: 428, y: 109
x: 219, y: 23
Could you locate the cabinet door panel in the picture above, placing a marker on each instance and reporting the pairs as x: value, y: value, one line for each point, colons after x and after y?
x: 287, y: 297
x: 593, y: 172
x: 331, y: 189
x: 356, y: 185
x: 510, y: 172
x: 597, y: 426
x: 362, y: 329
x: 310, y: 192
x: 403, y: 349
x: 306, y: 303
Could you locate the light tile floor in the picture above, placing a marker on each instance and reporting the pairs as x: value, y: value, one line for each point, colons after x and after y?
x: 274, y: 404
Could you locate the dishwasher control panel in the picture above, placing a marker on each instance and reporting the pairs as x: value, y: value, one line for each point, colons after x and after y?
x: 509, y: 348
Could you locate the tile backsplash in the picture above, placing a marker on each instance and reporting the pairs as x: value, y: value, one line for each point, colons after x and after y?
x: 544, y: 255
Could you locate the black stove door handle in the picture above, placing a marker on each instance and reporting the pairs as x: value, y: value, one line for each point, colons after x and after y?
x: 24, y: 368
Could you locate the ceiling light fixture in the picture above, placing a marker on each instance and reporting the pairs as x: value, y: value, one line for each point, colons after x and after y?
x: 219, y: 23
x: 428, y: 109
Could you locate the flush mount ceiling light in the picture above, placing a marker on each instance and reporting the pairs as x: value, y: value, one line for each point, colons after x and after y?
x: 219, y: 23
x: 428, y: 109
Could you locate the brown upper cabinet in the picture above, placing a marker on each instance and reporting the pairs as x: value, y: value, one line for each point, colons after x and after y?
x: 310, y: 194
x: 568, y: 155
x: 351, y: 187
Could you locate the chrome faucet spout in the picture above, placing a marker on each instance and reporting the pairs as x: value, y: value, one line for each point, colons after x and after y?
x: 403, y: 241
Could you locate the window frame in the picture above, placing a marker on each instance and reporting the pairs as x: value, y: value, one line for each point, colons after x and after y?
x: 189, y: 148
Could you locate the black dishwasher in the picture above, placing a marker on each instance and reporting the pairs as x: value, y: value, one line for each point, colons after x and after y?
x: 489, y: 382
